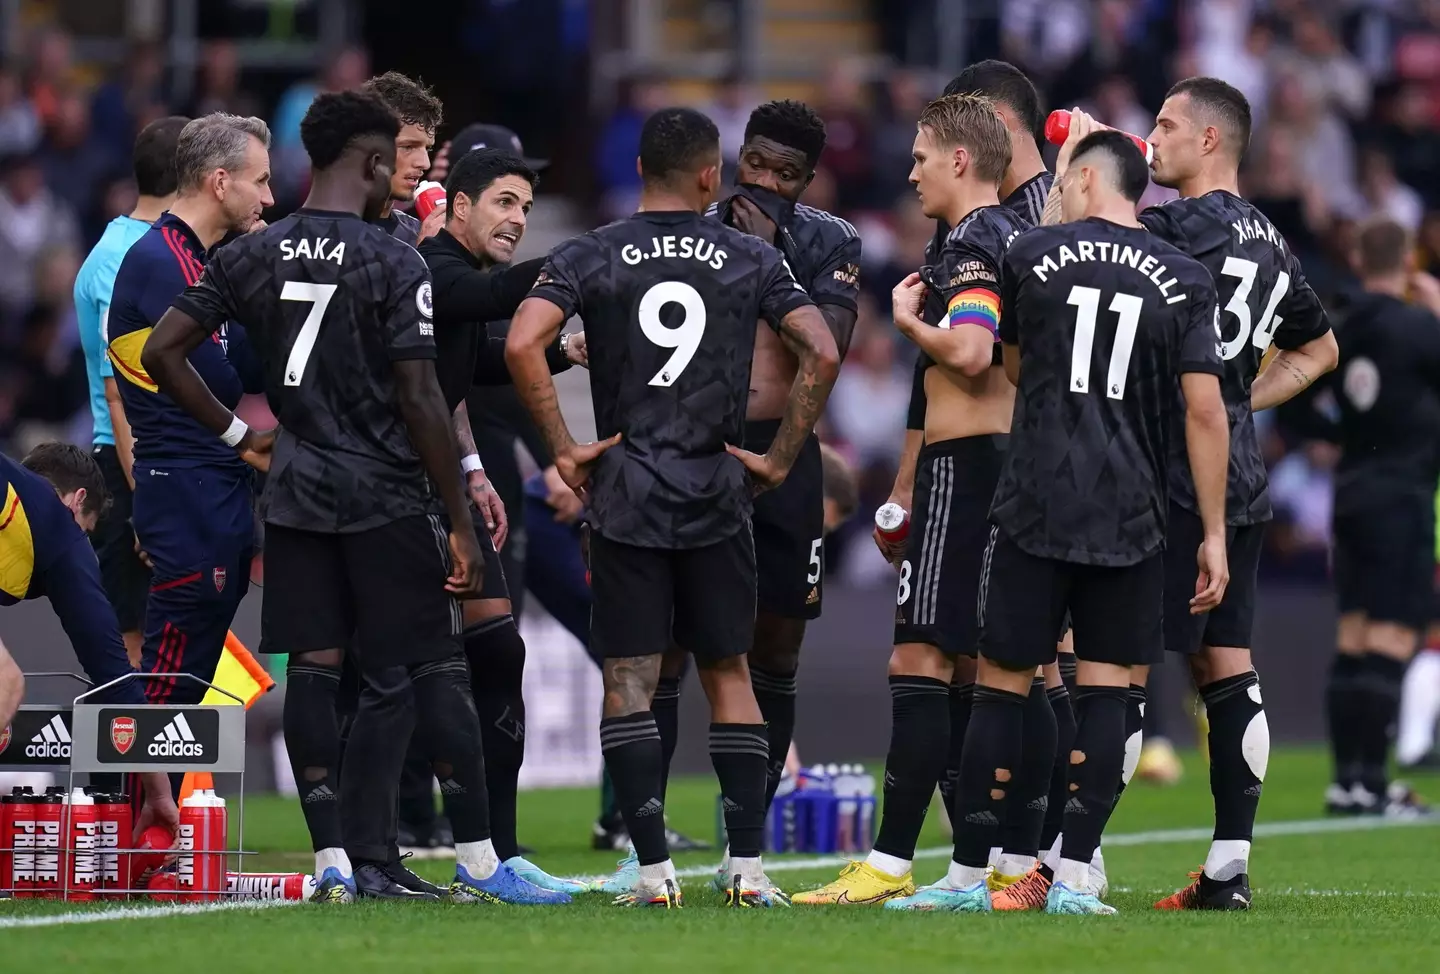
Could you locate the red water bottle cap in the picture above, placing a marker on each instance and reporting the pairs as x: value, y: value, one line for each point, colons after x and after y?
x: 428, y: 196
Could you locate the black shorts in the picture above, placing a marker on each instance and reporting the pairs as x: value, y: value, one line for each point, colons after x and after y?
x: 1116, y: 612
x: 380, y: 592
x: 701, y: 599
x: 494, y: 585
x: 124, y: 575
x: 790, y: 531
x: 1385, y: 562
x: 1229, y: 623
x: 949, y: 529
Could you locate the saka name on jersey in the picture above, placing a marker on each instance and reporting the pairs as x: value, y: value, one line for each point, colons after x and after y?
x: 670, y: 301
x: 821, y: 249
x: 335, y: 302
x: 1105, y: 318
x: 1264, y: 298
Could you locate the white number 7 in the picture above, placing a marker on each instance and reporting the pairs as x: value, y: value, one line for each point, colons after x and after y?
x: 319, y: 296
x: 1087, y: 302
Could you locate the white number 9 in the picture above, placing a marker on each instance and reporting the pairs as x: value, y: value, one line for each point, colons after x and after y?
x: 685, y: 338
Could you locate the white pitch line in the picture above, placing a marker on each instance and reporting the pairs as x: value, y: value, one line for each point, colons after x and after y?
x: 1157, y: 837
x: 138, y: 913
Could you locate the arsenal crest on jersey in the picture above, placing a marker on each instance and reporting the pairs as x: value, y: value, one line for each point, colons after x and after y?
x: 122, y: 733
x: 4, y: 738
x: 219, y: 575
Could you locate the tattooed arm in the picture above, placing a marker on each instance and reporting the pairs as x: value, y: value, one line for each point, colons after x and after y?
x: 535, y: 325
x: 477, y: 485
x: 804, y: 332
x: 1292, y: 370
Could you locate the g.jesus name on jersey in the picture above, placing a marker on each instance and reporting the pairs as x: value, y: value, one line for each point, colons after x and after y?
x: 1264, y: 298
x: 670, y: 301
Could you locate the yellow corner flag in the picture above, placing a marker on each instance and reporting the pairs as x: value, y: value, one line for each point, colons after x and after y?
x: 240, y: 673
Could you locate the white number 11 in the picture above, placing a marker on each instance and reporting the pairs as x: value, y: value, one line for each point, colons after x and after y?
x: 1087, y: 303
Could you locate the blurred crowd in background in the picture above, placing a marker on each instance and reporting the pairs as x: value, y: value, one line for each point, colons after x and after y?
x: 1346, y: 97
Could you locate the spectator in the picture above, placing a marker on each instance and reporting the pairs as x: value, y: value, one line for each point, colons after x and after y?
x: 895, y: 136
x: 19, y: 126
x: 872, y: 395
x: 219, y: 85
x: 52, y: 385
x: 1325, y: 152
x: 619, y: 144
x: 1329, y: 73
x: 289, y: 165
x: 32, y: 220
x: 1231, y: 45
x: 1385, y: 194
x: 847, y: 133
x: 50, y: 73
x: 1289, y: 198
x: 730, y: 111
x: 77, y: 165
x: 1408, y: 133
x: 118, y: 104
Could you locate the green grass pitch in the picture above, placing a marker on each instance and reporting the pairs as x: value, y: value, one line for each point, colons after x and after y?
x: 1328, y: 897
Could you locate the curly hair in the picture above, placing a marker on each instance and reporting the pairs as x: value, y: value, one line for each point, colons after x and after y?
x: 792, y: 124
x: 335, y: 120
x: 411, y: 100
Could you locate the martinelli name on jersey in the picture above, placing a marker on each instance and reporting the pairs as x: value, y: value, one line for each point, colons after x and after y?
x: 1112, y: 252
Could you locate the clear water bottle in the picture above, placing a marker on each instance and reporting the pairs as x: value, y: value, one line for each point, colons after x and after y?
x: 864, y: 810
x: 847, y: 789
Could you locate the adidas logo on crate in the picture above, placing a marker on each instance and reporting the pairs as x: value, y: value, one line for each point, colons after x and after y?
x: 176, y: 740
x: 53, y: 741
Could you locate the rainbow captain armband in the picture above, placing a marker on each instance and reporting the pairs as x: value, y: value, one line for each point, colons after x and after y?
x: 975, y: 306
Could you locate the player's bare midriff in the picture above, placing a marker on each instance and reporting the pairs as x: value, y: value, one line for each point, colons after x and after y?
x: 772, y: 371
x: 958, y: 405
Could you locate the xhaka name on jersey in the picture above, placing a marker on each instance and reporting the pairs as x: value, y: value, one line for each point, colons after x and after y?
x: 669, y: 245
x: 1106, y: 252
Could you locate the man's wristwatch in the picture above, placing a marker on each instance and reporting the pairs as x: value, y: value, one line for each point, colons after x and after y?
x: 565, y: 345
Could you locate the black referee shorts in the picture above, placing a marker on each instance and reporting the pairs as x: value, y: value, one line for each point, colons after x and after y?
x: 1229, y: 623
x: 1385, y: 561
x: 380, y: 591
x: 122, y: 573
x: 1115, y: 611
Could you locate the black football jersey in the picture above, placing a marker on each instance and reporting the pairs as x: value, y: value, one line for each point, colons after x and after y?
x: 963, y: 276
x: 1388, y: 389
x: 821, y: 250
x: 1106, y: 318
x: 1027, y: 201
x: 402, y: 226
x: 669, y: 301
x: 1264, y: 298
x: 335, y: 302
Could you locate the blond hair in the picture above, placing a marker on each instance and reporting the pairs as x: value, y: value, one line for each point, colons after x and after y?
x: 971, y: 121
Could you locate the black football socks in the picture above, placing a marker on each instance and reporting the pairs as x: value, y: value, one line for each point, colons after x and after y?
x: 1027, y: 798
x: 1096, y: 765
x: 1379, y: 684
x: 962, y: 699
x: 919, y: 742
x: 1345, y: 708
x: 775, y: 693
x: 496, y: 654
x: 634, y: 758
x: 994, y: 747
x: 1064, y: 712
x: 665, y: 706
x: 740, y: 753
x: 1134, y: 735
x: 312, y: 739
x: 448, y: 725
x: 1239, y: 754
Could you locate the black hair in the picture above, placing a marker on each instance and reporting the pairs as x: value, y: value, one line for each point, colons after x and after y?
x: 408, y: 98
x: 1381, y: 247
x: 1005, y: 84
x: 334, y: 120
x: 792, y: 124
x: 69, y: 468
x: 1226, y: 103
x: 1131, y: 171
x: 473, y: 172
x: 677, y: 140
x: 154, y: 156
